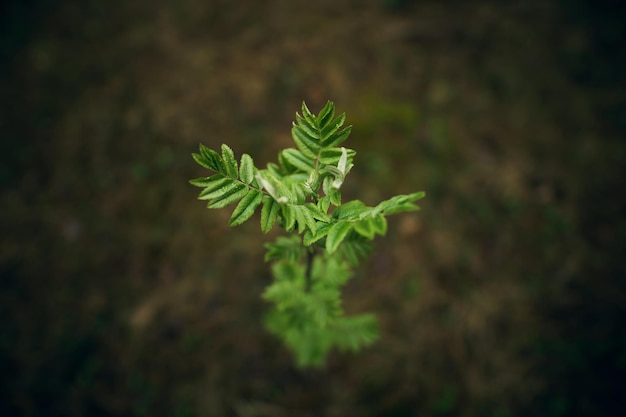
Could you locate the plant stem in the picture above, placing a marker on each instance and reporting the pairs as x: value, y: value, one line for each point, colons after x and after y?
x: 309, y: 269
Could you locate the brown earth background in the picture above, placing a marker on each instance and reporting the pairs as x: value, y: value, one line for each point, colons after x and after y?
x: 121, y: 295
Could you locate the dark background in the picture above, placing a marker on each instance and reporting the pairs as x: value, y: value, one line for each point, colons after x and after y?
x: 121, y: 295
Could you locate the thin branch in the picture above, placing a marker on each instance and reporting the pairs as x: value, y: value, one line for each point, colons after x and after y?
x: 309, y: 269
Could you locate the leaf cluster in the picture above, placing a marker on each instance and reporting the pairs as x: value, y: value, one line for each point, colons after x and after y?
x: 301, y: 193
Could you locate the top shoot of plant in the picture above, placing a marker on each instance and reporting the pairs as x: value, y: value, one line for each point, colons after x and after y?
x: 327, y: 238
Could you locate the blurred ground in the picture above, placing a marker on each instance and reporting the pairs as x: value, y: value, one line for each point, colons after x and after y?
x: 121, y: 295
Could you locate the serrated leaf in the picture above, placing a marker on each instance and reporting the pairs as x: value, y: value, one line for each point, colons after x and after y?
x: 205, y: 181
x: 306, y: 113
x: 337, y: 138
x: 321, y: 231
x: 275, y: 187
x: 304, y: 142
x: 245, y: 208
x: 289, y: 217
x: 275, y: 170
x: 352, y: 333
x: 246, y: 169
x: 324, y: 204
x: 351, y: 210
x: 298, y: 159
x: 326, y: 186
x: 399, y: 203
x: 286, y: 168
x: 335, y: 197
x: 380, y: 224
x: 308, y: 127
x: 331, y: 156
x: 365, y: 228
x: 326, y: 114
x: 285, y: 248
x: 354, y: 250
x: 269, y: 213
x: 337, y: 234
x: 202, y: 161
x: 230, y: 163
x: 298, y: 190
x: 317, y: 213
x: 234, y: 193
x: 213, y: 158
x: 304, y: 218
x: 215, y: 188
x: 333, y: 126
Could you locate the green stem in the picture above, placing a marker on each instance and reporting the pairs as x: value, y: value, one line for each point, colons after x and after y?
x: 309, y: 270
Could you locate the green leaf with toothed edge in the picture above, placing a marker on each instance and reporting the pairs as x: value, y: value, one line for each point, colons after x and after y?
x: 333, y: 127
x: 305, y: 219
x: 307, y: 127
x: 320, y: 232
x: 326, y: 114
x: 399, y: 203
x: 235, y: 193
x: 246, y: 169
x: 205, y: 181
x: 306, y: 144
x: 246, y: 207
x: 230, y: 163
x: 298, y: 160
x: 331, y: 156
x: 201, y: 160
x: 365, y: 228
x: 269, y: 213
x: 218, y: 187
x: 213, y: 158
x: 288, y: 216
x: 337, y: 138
x: 306, y: 113
x: 337, y: 234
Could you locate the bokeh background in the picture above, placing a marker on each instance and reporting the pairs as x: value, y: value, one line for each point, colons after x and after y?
x: 121, y: 295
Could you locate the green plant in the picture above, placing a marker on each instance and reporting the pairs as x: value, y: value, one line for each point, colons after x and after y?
x: 301, y: 193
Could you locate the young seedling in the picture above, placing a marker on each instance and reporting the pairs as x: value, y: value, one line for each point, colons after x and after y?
x: 326, y: 238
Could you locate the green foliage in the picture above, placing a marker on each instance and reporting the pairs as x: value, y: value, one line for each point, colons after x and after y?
x: 301, y: 193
